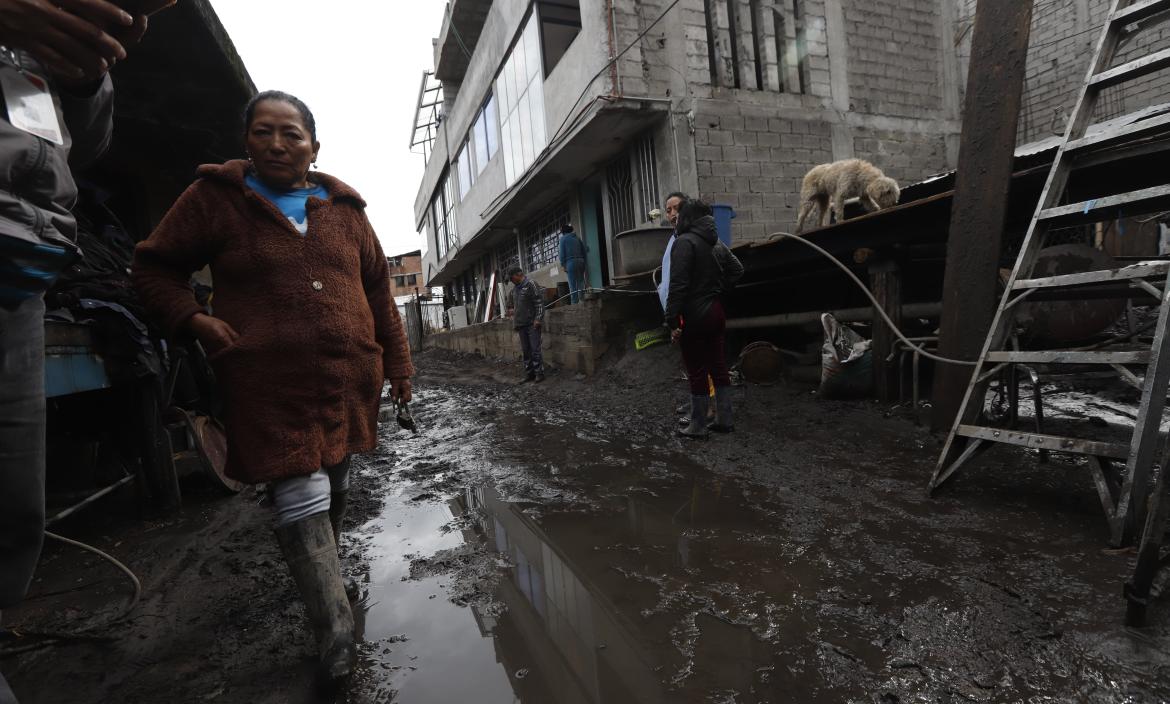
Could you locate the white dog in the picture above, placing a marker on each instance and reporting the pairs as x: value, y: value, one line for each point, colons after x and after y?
x: 834, y: 183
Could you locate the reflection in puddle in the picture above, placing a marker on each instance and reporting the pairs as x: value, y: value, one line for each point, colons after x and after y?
x: 622, y: 606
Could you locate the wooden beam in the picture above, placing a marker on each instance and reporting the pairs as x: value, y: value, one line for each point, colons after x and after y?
x: 885, y: 281
x: 999, y: 52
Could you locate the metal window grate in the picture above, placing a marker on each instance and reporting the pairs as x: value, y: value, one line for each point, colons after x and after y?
x: 507, y: 256
x: 542, y: 236
x: 619, y: 187
x: 647, y: 168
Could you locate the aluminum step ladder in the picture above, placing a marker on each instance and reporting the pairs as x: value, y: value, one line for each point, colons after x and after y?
x: 1125, y: 502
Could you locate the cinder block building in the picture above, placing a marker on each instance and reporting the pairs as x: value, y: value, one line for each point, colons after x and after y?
x: 1063, y: 38
x: 590, y: 111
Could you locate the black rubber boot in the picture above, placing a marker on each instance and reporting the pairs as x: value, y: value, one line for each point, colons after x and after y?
x: 684, y: 412
x: 724, y: 422
x: 338, y: 502
x: 539, y: 377
x: 311, y: 554
x: 697, y: 429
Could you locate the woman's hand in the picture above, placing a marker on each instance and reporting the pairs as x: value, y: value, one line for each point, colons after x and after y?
x: 400, y: 390
x: 215, y: 334
x: 71, y: 38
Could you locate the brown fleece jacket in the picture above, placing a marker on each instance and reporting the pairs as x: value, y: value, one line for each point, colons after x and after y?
x: 318, y: 328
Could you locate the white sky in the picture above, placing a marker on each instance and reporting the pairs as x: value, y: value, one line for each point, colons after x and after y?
x: 357, y: 64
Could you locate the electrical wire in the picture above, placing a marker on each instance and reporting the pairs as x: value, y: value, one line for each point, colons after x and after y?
x: 455, y: 31
x: 877, y: 306
x: 85, y: 632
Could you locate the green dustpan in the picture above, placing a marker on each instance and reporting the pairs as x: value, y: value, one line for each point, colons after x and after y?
x: 649, y: 338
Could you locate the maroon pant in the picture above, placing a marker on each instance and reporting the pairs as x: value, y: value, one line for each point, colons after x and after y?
x: 702, y: 350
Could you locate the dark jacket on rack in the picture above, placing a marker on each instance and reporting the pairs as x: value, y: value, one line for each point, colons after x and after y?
x: 694, y: 273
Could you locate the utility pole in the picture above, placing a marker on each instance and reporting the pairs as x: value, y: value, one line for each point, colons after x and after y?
x: 999, y: 53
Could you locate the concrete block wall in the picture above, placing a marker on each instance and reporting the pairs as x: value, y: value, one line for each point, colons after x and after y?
x: 875, y: 88
x: 574, y: 338
x: 893, y: 50
x: 1064, y: 36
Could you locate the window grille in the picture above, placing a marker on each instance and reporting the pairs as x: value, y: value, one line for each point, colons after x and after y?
x: 619, y: 187
x: 647, y: 173
x: 542, y: 236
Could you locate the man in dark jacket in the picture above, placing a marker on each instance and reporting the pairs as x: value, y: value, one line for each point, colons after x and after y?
x: 528, y: 317
x: 54, y: 58
x: 572, y: 257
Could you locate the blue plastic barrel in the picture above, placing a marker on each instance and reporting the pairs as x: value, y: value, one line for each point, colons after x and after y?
x: 724, y: 214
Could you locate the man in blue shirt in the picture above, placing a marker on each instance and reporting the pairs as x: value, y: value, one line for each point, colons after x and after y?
x: 573, y: 261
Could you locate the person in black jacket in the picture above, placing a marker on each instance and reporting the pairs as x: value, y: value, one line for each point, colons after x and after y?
x: 695, y: 314
x: 527, y: 318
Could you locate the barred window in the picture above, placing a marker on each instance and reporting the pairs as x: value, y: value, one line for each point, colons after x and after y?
x: 507, y: 256
x: 443, y: 215
x: 541, y: 237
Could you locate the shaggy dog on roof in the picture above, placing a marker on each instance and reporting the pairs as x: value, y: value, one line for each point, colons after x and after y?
x: 834, y: 183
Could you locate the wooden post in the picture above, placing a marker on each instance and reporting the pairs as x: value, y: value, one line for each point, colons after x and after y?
x: 885, y: 280
x: 999, y: 52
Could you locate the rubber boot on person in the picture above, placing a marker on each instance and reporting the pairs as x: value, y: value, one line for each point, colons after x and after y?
x: 311, y: 554
x: 309, y: 513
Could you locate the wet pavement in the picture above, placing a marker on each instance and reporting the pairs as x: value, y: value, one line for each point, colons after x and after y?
x: 531, y: 551
x: 556, y: 543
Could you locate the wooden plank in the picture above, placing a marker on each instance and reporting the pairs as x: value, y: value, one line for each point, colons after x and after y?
x: 999, y: 52
x: 1097, y: 467
x: 885, y: 281
x: 1139, y: 10
x: 1134, y: 271
x: 1070, y: 357
x: 1120, y: 134
x: 1109, y: 207
x: 1038, y: 441
x: 1133, y: 70
x: 1128, y: 377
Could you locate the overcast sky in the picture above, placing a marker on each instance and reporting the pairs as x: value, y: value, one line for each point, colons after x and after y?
x: 357, y: 64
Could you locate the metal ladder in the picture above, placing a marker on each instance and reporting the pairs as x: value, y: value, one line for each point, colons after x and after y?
x: 1125, y: 504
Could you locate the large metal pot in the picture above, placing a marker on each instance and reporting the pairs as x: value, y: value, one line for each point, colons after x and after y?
x: 640, y: 251
x: 1050, y: 322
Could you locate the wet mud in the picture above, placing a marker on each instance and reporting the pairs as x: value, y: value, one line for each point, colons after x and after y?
x: 556, y: 543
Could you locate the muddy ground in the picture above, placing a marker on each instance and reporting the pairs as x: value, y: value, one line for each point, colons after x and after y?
x: 556, y: 543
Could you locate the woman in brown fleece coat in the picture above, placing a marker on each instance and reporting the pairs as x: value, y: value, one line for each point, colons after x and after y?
x: 304, y: 332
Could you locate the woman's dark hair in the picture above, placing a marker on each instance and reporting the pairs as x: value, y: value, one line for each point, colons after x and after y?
x: 691, y: 210
x: 676, y: 194
x: 306, y: 113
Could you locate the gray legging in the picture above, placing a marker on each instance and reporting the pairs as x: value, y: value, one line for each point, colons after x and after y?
x: 300, y: 497
x: 22, y: 446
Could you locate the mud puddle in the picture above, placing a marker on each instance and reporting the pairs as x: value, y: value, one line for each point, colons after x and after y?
x: 535, y: 556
